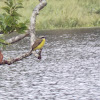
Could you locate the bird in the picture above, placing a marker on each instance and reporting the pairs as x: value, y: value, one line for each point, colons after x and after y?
x: 39, y: 43
x: 1, y: 57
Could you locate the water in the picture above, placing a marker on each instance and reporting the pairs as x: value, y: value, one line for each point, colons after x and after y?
x: 69, y: 69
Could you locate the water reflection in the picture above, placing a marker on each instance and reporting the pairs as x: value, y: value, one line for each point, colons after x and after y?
x: 69, y: 69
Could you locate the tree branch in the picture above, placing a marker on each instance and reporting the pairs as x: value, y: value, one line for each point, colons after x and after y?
x: 16, y: 38
x: 33, y: 19
x: 32, y: 33
x: 17, y: 58
x: 32, y: 25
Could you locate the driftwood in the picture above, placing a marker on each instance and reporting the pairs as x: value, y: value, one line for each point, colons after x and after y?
x: 32, y: 34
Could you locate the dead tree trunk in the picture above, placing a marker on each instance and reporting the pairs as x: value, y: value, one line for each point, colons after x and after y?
x: 31, y: 32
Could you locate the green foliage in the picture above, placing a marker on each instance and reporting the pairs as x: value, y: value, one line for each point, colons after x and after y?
x: 9, y: 20
x: 69, y: 13
x: 3, y: 43
x: 62, y: 13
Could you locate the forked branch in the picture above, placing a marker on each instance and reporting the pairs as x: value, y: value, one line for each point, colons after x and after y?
x: 31, y: 32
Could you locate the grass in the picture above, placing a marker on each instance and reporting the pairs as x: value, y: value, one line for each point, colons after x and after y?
x: 63, y: 13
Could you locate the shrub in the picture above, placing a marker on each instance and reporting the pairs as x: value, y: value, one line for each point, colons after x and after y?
x: 9, y: 20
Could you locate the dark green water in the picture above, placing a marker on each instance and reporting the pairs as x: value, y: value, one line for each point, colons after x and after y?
x: 69, y: 69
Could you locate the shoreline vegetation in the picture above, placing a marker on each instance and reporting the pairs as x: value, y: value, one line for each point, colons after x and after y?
x: 69, y: 30
x: 63, y: 14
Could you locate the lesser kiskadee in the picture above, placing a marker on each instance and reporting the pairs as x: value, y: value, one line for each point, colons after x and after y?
x: 39, y: 43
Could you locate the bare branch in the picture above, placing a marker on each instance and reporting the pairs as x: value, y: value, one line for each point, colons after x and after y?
x: 33, y: 19
x: 32, y: 25
x: 16, y: 38
x: 17, y: 58
x: 32, y: 35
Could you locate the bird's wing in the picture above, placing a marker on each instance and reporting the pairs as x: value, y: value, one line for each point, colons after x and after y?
x: 36, y: 43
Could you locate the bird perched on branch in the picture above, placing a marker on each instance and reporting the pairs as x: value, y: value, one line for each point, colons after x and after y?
x: 39, y: 43
x: 1, y: 57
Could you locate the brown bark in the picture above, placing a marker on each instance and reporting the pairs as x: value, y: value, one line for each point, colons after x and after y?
x: 17, y: 58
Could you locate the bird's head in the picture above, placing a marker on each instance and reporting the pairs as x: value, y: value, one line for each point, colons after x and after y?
x: 42, y: 37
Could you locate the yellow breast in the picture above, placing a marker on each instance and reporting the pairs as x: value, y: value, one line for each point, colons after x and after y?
x: 40, y: 45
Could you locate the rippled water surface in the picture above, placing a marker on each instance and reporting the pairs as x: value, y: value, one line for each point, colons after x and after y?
x: 69, y: 69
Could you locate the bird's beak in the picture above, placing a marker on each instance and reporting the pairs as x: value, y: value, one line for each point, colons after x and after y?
x: 42, y: 37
